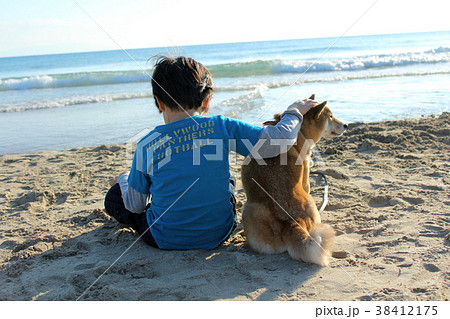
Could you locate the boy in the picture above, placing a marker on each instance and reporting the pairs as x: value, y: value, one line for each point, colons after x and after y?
x: 181, y: 168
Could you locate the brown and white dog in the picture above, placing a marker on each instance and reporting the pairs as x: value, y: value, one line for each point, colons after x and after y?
x: 280, y: 214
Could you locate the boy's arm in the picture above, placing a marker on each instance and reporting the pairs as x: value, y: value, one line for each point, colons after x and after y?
x: 279, y: 138
x: 270, y: 141
x: 134, y: 201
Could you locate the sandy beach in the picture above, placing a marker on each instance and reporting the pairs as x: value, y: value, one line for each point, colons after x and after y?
x: 389, y: 203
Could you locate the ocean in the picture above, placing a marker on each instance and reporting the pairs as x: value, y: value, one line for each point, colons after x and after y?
x: 62, y: 101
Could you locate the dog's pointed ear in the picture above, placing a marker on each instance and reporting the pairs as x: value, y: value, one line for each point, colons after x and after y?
x: 318, y: 109
x: 276, y: 117
x: 312, y: 97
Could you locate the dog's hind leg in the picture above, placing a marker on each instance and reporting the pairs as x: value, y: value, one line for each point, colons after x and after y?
x: 312, y: 246
x: 262, y: 229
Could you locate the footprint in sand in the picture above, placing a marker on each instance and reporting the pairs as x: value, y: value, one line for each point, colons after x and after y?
x: 380, y: 201
x: 414, y: 200
x: 431, y: 268
x: 433, y: 230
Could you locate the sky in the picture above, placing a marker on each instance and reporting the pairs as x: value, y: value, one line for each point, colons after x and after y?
x: 31, y: 27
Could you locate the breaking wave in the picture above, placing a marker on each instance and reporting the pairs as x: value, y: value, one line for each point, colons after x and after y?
x: 230, y: 70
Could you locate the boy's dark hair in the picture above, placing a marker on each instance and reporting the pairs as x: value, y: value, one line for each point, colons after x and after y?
x: 181, y: 83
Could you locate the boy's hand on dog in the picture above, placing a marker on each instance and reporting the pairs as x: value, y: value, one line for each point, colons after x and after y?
x: 303, y: 106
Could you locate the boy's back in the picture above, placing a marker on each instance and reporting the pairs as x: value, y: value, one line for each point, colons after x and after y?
x: 184, y: 165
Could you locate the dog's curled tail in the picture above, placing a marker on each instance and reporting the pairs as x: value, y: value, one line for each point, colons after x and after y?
x: 316, y: 248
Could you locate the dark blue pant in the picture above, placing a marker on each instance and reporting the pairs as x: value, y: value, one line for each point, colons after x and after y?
x: 115, y: 208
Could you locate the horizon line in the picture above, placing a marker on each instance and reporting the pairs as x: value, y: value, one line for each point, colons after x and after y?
x: 215, y: 43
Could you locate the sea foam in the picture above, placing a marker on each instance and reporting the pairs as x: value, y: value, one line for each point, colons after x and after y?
x: 440, y: 55
x: 74, y: 100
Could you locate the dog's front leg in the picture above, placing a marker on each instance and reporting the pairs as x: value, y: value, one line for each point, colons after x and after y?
x: 305, y: 176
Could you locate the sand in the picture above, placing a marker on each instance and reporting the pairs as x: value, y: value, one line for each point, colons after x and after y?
x: 389, y: 204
